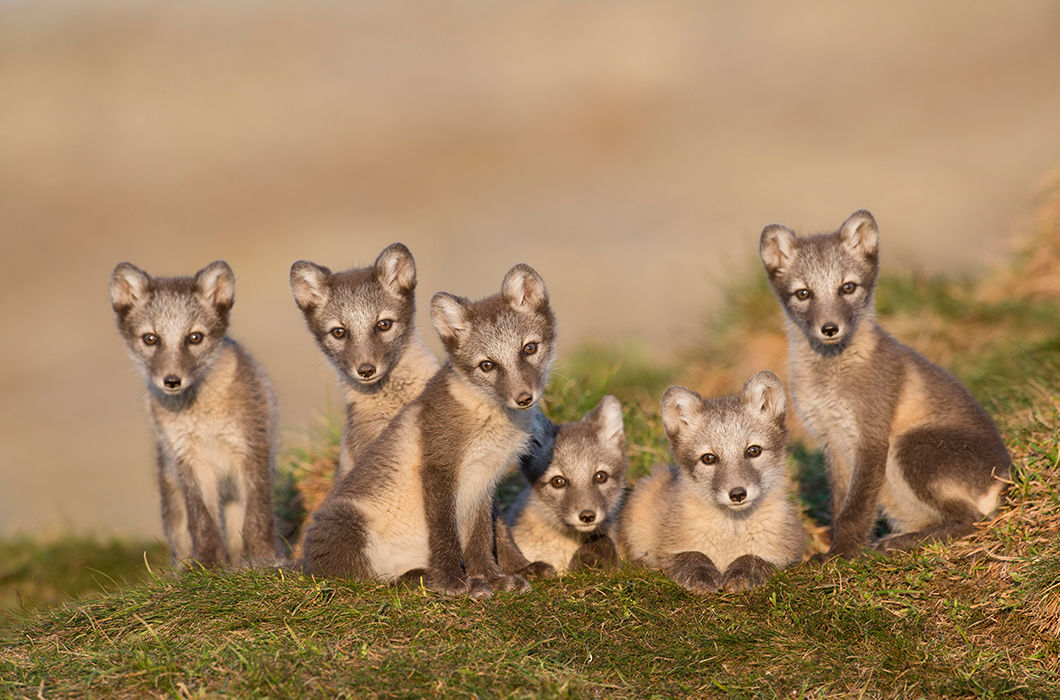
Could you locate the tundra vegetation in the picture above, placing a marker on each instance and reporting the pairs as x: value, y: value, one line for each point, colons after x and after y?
x: 978, y: 617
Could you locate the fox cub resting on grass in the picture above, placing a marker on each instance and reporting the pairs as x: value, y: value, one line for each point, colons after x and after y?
x: 363, y: 319
x: 420, y: 503
x: 576, y: 474
x: 214, y: 414
x: 721, y: 517
x: 900, y: 434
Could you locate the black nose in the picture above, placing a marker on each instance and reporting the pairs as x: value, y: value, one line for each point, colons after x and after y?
x: 366, y: 370
x: 524, y: 399
x: 171, y: 381
x: 830, y: 329
x: 738, y: 494
x: 587, y: 516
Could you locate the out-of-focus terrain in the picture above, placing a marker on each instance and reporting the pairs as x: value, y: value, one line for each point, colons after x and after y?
x: 631, y: 153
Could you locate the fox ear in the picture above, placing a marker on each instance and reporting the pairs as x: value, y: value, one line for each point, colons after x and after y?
x: 764, y: 393
x: 524, y: 289
x: 607, y: 418
x: 677, y: 408
x: 777, y: 248
x: 860, y: 235
x: 129, y: 286
x: 310, y: 284
x: 216, y: 283
x: 396, y: 269
x: 449, y: 317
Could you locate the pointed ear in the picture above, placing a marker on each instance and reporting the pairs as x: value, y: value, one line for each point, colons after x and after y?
x: 449, y: 316
x: 607, y: 419
x: 396, y: 269
x: 129, y: 286
x: 777, y: 248
x: 524, y: 289
x: 677, y: 408
x: 310, y: 284
x: 860, y: 235
x: 216, y: 284
x: 764, y: 393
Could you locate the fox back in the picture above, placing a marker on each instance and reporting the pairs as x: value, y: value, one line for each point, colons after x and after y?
x: 575, y: 487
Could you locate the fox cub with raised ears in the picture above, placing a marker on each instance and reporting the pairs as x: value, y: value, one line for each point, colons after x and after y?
x: 722, y: 516
x: 214, y: 414
x: 420, y: 503
x: 363, y: 319
x: 901, y: 436
x: 576, y: 478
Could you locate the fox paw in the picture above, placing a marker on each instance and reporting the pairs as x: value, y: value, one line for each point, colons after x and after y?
x: 479, y: 588
x: 512, y: 584
x: 700, y: 580
x: 538, y: 569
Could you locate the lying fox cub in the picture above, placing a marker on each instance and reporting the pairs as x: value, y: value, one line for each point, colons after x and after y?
x: 721, y: 517
x: 576, y: 474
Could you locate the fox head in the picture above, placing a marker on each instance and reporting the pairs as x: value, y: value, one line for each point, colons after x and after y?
x: 826, y: 282
x: 173, y: 326
x: 579, y: 481
x: 733, y: 448
x: 502, y: 345
x: 362, y: 318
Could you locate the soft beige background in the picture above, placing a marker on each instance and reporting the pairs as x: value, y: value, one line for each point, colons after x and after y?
x: 630, y: 152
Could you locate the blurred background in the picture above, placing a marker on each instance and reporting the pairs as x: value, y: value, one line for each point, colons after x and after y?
x: 631, y: 152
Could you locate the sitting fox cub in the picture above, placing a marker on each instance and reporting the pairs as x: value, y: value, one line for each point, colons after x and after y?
x: 420, y: 503
x: 213, y: 409
x: 364, y: 321
x: 721, y: 517
x: 575, y: 480
x: 900, y: 434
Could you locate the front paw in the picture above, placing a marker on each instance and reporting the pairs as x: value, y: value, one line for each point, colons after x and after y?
x: 599, y: 553
x: 700, y: 580
x: 538, y: 569
x: 510, y: 584
x: 746, y: 573
x: 435, y: 580
x: 479, y: 588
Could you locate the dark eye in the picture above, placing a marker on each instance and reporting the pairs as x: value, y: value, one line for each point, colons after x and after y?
x: 802, y: 294
x: 530, y: 348
x: 486, y: 366
x: 848, y: 288
x: 384, y: 324
x: 709, y: 458
x: 149, y: 338
x: 195, y: 338
x: 338, y: 332
x: 557, y: 482
x: 753, y: 451
x: 601, y: 477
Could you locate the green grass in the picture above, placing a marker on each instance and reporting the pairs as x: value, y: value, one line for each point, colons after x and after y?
x: 975, y: 618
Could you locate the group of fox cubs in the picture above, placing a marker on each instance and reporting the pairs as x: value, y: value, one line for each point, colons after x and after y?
x: 424, y: 445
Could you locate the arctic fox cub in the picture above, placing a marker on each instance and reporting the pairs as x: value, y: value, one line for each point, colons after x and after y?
x: 214, y: 414
x: 900, y: 434
x: 722, y: 516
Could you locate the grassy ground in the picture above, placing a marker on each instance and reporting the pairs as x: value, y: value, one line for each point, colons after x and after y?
x: 979, y: 617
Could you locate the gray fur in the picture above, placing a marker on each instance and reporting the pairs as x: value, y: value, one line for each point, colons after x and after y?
x: 420, y: 503
x: 722, y: 517
x: 382, y: 367
x: 575, y: 486
x: 214, y: 414
x: 902, y: 436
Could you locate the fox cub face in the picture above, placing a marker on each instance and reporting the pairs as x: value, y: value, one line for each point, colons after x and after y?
x: 361, y: 318
x: 502, y: 345
x: 734, y: 447
x: 173, y: 325
x: 825, y: 283
x: 580, y: 483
